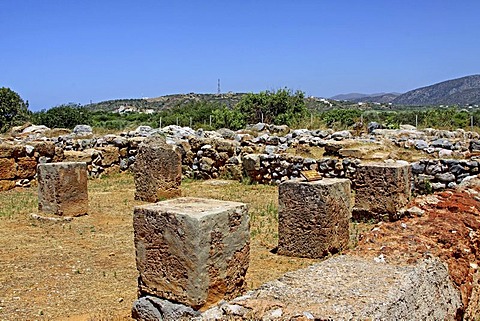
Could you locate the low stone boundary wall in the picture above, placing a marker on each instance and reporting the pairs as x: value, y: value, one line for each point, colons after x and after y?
x: 208, y: 157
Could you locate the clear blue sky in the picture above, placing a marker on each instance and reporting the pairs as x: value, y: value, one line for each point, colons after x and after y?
x: 54, y: 52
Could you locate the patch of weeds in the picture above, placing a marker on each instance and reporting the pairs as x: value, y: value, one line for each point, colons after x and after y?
x: 246, y: 180
x: 428, y: 187
x: 354, y: 235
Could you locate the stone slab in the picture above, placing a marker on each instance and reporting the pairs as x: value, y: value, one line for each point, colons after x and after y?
x: 381, y: 190
x: 191, y: 250
x: 157, y: 171
x: 62, y: 188
x: 313, y: 217
x: 350, y: 288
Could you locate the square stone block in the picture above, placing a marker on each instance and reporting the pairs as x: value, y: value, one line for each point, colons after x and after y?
x: 62, y: 188
x: 313, y: 217
x: 191, y: 250
x: 157, y: 170
x: 381, y: 190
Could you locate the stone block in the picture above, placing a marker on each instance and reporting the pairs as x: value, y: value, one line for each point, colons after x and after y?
x: 192, y: 251
x: 6, y: 185
x: 110, y: 155
x: 157, y: 170
x: 8, y: 168
x: 6, y: 150
x: 26, y: 167
x: 352, y: 288
x: 46, y: 149
x: 79, y: 156
x: 381, y: 190
x: 62, y: 188
x: 313, y: 217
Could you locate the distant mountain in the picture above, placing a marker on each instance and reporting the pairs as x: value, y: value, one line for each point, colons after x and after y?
x: 349, y: 96
x: 367, y: 98
x: 377, y: 98
x: 460, y: 91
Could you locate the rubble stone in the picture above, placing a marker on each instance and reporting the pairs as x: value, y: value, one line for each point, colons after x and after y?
x: 192, y: 251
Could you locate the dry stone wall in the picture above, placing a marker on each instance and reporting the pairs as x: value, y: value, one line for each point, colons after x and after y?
x: 258, y: 156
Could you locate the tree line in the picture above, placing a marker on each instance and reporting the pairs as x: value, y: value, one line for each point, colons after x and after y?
x: 279, y: 107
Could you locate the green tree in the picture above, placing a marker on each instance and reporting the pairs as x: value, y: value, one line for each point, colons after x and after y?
x: 280, y: 107
x: 63, y: 116
x: 13, y: 110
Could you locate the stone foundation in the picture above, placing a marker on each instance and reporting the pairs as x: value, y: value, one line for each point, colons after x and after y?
x: 192, y: 251
x: 62, y: 188
x: 381, y: 190
x: 313, y: 217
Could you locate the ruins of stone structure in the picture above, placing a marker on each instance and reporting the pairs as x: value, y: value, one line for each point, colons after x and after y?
x: 381, y: 190
x: 157, y: 170
x: 313, y: 217
x: 192, y: 251
x: 349, y: 288
x: 62, y: 188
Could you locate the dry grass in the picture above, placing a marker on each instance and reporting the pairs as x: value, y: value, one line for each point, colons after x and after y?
x: 85, y: 269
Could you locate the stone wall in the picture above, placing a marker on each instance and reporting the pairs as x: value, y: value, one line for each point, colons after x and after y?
x: 256, y: 156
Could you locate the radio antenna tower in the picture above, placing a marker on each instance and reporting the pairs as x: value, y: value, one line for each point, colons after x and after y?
x: 218, y: 87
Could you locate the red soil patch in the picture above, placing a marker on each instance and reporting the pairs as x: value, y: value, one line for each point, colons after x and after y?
x: 448, y: 229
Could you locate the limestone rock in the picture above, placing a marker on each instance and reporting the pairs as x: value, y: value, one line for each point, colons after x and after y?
x: 157, y: 170
x: 352, y: 288
x: 26, y: 167
x: 8, y: 168
x: 83, y: 130
x: 313, y: 217
x: 192, y: 251
x: 79, y: 156
x: 109, y: 154
x: 62, y: 188
x: 150, y: 308
x: 381, y: 190
x: 6, y: 185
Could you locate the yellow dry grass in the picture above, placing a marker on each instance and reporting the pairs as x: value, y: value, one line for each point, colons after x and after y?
x: 85, y: 269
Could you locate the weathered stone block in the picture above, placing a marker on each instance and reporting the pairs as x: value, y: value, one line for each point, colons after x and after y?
x: 157, y: 171
x: 6, y: 150
x: 8, y: 168
x: 5, y: 185
x: 313, y: 217
x: 381, y: 190
x: 192, y: 251
x: 26, y: 167
x: 352, y: 288
x: 79, y: 156
x: 62, y: 188
x: 110, y: 155
x: 44, y: 149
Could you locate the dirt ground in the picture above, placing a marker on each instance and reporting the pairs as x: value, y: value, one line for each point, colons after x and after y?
x: 85, y: 269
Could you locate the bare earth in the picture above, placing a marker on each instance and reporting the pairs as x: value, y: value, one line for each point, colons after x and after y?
x: 85, y: 269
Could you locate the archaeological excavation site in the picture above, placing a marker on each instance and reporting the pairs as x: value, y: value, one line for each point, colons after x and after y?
x: 264, y: 223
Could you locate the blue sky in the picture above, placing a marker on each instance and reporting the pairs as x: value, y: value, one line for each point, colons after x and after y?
x: 54, y: 52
